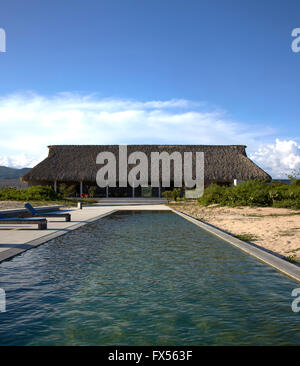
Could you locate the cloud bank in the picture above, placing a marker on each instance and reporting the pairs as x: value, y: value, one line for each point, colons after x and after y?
x: 30, y: 122
x: 280, y: 159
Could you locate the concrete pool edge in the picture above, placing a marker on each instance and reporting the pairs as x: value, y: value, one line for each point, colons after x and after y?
x: 272, y: 260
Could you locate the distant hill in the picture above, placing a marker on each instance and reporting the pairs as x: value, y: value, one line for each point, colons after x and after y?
x: 11, y: 173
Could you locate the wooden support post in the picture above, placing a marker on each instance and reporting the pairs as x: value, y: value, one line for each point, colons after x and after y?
x: 55, y: 186
x: 81, y: 188
x: 106, y: 191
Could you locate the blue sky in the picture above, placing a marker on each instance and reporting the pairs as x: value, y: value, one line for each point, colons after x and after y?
x: 87, y: 72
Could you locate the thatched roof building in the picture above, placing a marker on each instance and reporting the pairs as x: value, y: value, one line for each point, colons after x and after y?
x: 76, y: 164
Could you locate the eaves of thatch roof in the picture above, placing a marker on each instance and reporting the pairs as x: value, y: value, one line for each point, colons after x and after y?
x: 74, y: 163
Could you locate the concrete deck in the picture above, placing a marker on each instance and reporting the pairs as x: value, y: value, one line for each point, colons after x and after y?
x: 15, y: 239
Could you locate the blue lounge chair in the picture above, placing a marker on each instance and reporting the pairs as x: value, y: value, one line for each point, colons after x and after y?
x: 42, y: 222
x: 35, y: 213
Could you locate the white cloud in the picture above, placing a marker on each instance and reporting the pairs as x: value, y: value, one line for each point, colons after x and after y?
x: 20, y: 161
x: 279, y: 159
x: 30, y: 122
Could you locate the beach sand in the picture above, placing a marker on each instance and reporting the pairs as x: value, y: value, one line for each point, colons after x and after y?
x: 276, y: 229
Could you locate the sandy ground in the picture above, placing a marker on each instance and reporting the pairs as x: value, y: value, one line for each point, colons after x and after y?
x: 276, y: 229
x: 4, y: 205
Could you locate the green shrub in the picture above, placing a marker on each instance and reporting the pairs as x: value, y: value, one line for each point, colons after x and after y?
x: 253, y: 193
x: 249, y: 193
x: 295, y: 182
x: 172, y: 195
x: 167, y: 195
x: 67, y: 191
x: 34, y: 193
x: 288, y: 203
x: 213, y: 194
x: 175, y: 193
x: 92, y: 191
x: 70, y: 190
x: 63, y: 189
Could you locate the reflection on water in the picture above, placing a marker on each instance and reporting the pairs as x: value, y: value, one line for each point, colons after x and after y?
x: 144, y: 278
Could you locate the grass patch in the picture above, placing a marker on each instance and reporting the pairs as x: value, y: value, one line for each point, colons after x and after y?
x: 288, y: 214
x: 254, y: 215
x: 293, y: 250
x: 292, y: 258
x: 286, y: 233
x: 273, y: 215
x: 246, y: 237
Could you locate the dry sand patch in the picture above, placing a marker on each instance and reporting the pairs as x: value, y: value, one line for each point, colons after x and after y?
x: 276, y: 229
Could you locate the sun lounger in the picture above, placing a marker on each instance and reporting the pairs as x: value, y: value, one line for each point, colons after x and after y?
x: 41, y: 222
x: 35, y: 213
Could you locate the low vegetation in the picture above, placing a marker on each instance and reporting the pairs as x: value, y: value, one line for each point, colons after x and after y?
x: 292, y: 258
x: 173, y: 195
x: 34, y: 193
x: 42, y: 195
x: 67, y: 191
x: 247, y: 237
x: 254, y: 193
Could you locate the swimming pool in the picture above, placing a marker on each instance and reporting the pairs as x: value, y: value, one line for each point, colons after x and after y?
x: 144, y: 278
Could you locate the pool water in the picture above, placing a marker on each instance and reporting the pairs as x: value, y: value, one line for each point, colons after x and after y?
x: 144, y: 278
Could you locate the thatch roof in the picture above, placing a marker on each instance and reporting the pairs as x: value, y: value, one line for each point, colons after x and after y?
x: 74, y: 163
